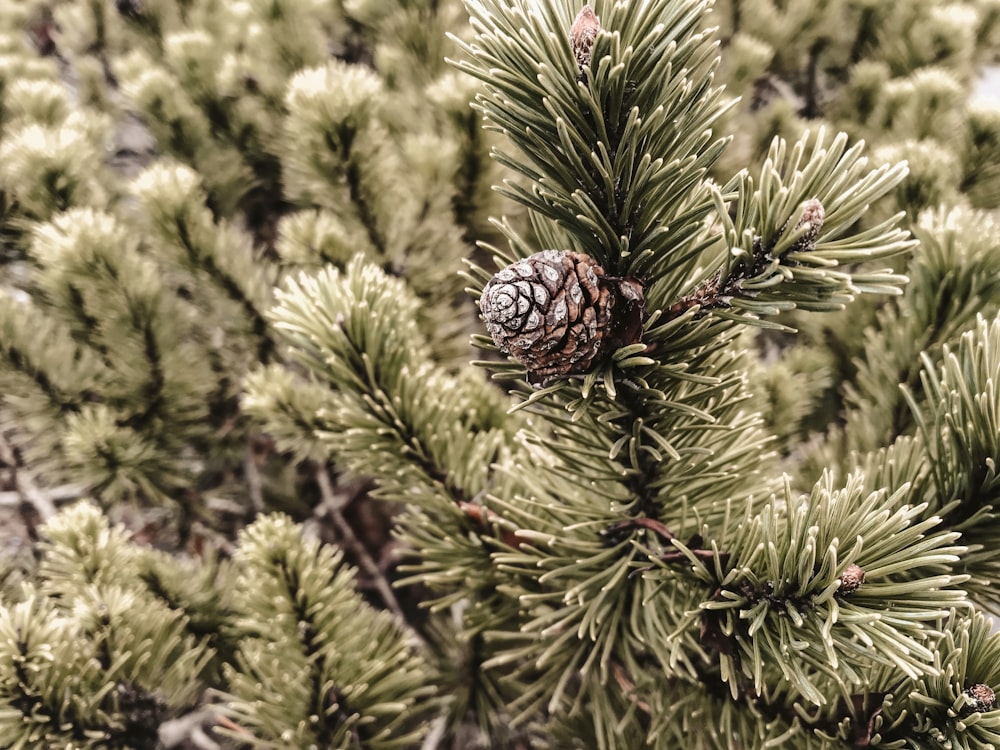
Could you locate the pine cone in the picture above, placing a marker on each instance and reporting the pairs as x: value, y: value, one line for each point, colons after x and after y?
x: 557, y: 313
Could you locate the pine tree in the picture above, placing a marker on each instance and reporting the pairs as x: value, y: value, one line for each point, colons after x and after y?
x: 616, y: 525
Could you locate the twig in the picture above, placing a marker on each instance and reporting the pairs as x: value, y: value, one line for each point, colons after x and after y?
x: 187, y: 730
x: 331, y: 502
x: 254, y: 486
x: 332, y: 506
x: 24, y: 484
x: 57, y: 495
x: 630, y: 524
x: 436, y: 733
x: 628, y: 687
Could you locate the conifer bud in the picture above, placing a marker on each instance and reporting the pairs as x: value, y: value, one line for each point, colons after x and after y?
x: 557, y: 313
x: 851, y: 579
x: 980, y: 698
x: 582, y: 34
x: 812, y: 217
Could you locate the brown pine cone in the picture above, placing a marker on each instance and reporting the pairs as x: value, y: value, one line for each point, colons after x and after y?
x: 557, y: 313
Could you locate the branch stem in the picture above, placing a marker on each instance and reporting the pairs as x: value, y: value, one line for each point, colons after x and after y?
x: 333, y: 507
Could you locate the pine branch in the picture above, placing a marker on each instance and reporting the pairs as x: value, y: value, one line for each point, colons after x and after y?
x: 957, y: 428
x: 356, y: 331
x: 781, y: 255
x: 951, y: 282
x: 954, y: 704
x: 889, y: 544
x: 291, y: 409
x: 625, y: 135
x: 123, y: 661
x: 344, y: 675
x: 45, y: 367
x: 51, y: 169
x: 600, y: 556
x: 666, y: 422
x: 339, y: 142
x: 174, y: 208
x: 33, y: 684
x: 83, y: 551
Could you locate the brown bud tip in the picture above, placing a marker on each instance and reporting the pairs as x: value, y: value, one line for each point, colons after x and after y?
x: 484, y: 518
x: 979, y: 698
x: 851, y: 579
x: 812, y: 217
x: 582, y: 34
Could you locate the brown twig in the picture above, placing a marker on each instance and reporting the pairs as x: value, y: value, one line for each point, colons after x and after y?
x: 628, y: 687
x: 642, y: 522
x: 485, y: 519
x: 333, y: 507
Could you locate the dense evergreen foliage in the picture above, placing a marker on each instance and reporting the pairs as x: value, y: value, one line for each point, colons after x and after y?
x: 267, y: 481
